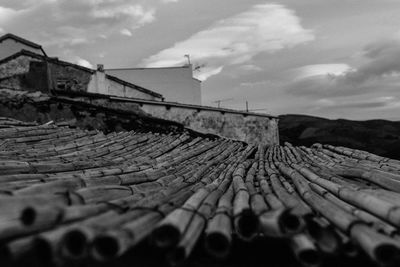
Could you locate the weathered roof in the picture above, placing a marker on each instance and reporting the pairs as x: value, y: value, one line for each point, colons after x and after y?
x: 69, y: 195
x: 21, y: 40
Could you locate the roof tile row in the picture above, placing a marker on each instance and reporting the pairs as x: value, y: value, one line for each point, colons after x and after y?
x: 70, y: 195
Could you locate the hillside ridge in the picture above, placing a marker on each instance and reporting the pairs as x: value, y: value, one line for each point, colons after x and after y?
x: 377, y: 136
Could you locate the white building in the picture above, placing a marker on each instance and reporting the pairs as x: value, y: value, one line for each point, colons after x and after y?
x: 11, y: 44
x: 176, y: 84
x: 106, y: 84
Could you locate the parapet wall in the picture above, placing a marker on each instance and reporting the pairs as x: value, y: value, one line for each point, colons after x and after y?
x: 244, y: 126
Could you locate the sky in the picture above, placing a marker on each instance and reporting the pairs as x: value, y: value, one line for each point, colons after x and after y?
x: 328, y: 58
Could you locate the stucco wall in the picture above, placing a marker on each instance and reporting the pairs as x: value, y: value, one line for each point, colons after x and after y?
x: 130, y: 92
x: 97, y: 84
x: 9, y: 47
x: 100, y: 84
x: 175, y: 84
x: 248, y: 128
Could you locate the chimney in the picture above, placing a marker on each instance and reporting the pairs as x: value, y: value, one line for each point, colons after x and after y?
x: 100, y: 67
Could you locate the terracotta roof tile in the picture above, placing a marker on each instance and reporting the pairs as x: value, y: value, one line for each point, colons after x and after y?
x: 96, y: 196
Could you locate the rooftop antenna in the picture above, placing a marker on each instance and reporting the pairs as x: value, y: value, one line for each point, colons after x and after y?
x: 250, y: 110
x: 221, y: 100
x: 188, y: 58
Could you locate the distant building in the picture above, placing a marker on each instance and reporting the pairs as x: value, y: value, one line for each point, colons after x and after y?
x: 26, y: 70
x: 11, y: 44
x: 176, y: 84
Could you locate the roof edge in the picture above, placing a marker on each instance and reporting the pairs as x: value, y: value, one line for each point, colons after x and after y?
x: 24, y: 52
x: 191, y: 106
x: 20, y: 39
x: 137, y: 87
x: 151, y: 68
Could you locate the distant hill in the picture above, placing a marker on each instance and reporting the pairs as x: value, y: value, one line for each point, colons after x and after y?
x: 381, y: 137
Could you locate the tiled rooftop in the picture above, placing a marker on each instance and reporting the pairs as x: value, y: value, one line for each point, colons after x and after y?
x: 73, y: 196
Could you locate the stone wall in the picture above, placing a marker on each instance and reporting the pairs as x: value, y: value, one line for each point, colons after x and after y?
x: 70, y: 77
x: 32, y: 74
x: 15, y: 66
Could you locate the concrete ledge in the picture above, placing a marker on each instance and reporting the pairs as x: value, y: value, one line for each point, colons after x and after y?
x: 189, y: 106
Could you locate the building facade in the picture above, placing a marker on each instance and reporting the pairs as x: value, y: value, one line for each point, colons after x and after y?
x: 102, y: 83
x: 176, y: 84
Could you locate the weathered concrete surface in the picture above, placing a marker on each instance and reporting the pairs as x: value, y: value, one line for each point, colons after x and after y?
x: 15, y: 66
x: 244, y: 127
x: 25, y: 72
x: 104, y: 84
x: 42, y: 108
x: 106, y: 113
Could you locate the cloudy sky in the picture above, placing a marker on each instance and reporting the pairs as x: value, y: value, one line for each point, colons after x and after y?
x: 336, y: 59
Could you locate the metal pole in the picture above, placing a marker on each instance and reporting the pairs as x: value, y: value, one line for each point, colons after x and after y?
x: 188, y: 57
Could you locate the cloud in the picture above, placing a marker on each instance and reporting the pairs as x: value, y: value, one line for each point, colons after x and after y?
x: 169, y: 1
x: 66, y: 23
x: 6, y: 14
x: 83, y: 62
x: 136, y: 11
x: 250, y: 68
x: 126, y: 32
x: 22, y: 4
x: 380, y: 71
x: 255, y: 84
x: 374, y: 103
x: 236, y: 40
x: 321, y: 69
x: 384, y: 61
